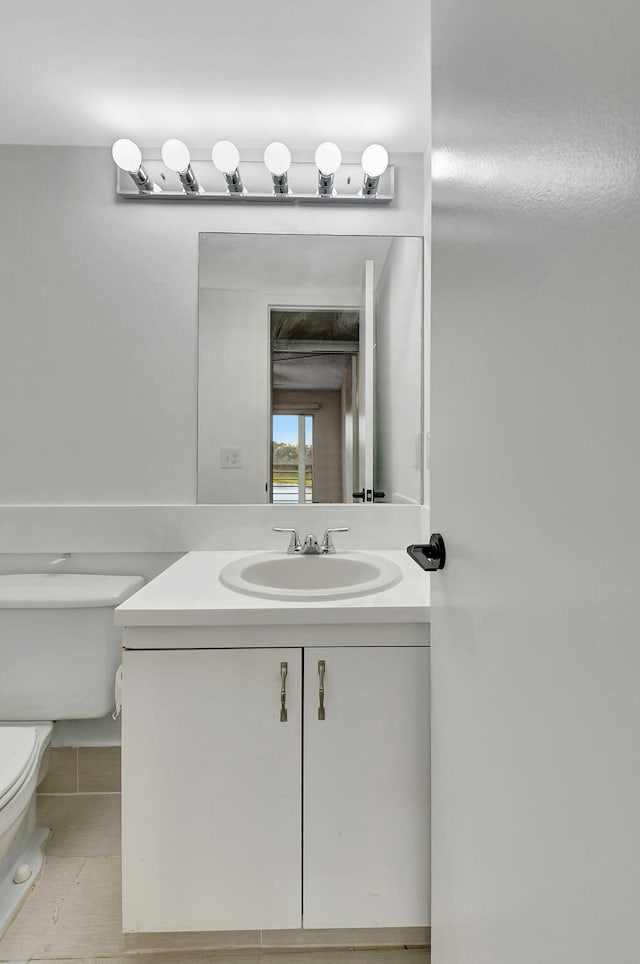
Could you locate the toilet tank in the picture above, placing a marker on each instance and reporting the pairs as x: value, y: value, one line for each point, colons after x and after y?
x: 59, y: 648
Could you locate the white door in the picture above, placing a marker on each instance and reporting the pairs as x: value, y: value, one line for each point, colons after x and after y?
x: 535, y: 483
x: 366, y: 787
x: 366, y: 367
x: 211, y: 790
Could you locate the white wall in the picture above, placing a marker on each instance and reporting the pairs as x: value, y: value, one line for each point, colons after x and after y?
x: 399, y: 370
x: 232, y: 402
x: 179, y: 528
x: 98, y: 331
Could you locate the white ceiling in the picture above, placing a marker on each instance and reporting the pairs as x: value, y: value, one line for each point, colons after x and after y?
x: 84, y: 72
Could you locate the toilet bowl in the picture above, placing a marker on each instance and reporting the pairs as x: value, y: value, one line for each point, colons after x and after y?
x: 59, y: 652
x: 22, y: 750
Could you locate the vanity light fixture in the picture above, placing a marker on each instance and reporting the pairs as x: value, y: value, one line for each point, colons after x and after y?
x: 277, y: 160
x: 375, y: 161
x: 226, y: 157
x: 272, y: 176
x: 128, y: 157
x: 328, y: 159
x: 177, y: 157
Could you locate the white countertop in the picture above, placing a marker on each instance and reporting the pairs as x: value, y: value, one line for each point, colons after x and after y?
x: 189, y: 593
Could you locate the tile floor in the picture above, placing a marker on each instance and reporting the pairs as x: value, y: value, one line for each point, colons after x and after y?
x: 73, y: 913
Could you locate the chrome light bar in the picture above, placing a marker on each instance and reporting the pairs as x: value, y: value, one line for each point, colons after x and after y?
x: 278, y: 179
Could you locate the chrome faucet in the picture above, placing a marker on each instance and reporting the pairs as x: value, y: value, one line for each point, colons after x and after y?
x: 294, y: 542
x: 311, y: 546
x: 327, y: 547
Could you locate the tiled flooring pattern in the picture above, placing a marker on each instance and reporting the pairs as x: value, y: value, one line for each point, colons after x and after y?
x: 73, y: 913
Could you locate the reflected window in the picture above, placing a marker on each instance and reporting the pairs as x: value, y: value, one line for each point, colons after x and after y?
x: 292, y: 459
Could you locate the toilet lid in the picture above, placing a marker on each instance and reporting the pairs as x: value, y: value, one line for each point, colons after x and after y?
x: 18, y: 748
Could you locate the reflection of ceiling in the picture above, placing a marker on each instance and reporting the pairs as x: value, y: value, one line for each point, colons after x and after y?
x: 323, y: 373
x: 309, y: 365
x: 314, y: 325
x: 263, y: 262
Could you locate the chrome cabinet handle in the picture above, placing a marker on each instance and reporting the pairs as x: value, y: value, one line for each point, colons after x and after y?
x: 321, y: 668
x: 283, y: 692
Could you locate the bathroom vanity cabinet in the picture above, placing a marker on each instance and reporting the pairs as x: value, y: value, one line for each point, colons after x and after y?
x: 235, y: 819
x: 243, y: 808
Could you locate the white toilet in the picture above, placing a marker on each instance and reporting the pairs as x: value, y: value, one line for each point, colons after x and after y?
x: 59, y: 652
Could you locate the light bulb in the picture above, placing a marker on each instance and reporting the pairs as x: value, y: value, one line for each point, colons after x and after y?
x: 328, y: 158
x: 127, y: 155
x: 225, y: 156
x: 375, y: 160
x: 176, y: 155
x: 277, y: 158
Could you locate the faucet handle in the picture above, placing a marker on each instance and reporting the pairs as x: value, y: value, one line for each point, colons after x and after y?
x: 294, y: 542
x: 327, y: 542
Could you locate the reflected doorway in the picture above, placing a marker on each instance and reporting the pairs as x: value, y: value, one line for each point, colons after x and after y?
x: 314, y: 396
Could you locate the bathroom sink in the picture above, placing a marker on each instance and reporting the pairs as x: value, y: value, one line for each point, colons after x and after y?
x: 274, y: 575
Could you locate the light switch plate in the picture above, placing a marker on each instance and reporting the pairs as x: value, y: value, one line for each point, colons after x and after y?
x: 230, y: 458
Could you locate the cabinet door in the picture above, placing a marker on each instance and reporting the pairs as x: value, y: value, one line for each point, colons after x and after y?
x: 211, y: 790
x: 366, y: 788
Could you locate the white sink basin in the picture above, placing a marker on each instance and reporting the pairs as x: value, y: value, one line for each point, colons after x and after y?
x: 274, y: 575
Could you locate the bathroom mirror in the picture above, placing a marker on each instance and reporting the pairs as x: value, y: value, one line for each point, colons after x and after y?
x: 310, y: 364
